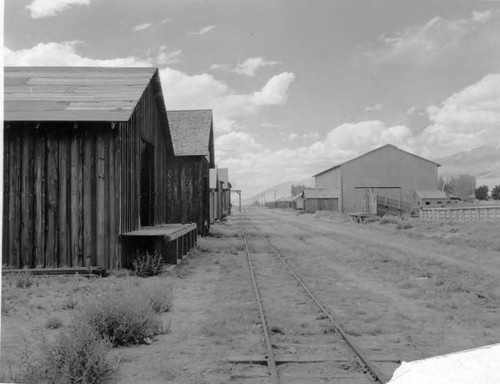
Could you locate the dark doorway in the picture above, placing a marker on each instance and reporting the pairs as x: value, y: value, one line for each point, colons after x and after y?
x: 147, y: 183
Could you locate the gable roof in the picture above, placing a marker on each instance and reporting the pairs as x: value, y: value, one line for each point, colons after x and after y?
x: 191, y: 132
x: 374, y: 150
x: 76, y: 93
x: 431, y: 194
x: 320, y: 193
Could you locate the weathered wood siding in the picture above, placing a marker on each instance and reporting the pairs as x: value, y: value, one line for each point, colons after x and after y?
x: 57, y: 200
x: 313, y: 205
x: 71, y: 189
x: 188, y: 192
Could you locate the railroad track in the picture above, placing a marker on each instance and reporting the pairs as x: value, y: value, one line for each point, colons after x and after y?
x: 304, y: 343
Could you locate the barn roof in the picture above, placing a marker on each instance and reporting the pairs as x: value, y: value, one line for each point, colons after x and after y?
x: 320, y: 193
x: 191, y: 131
x: 374, y: 150
x: 431, y: 194
x: 76, y: 93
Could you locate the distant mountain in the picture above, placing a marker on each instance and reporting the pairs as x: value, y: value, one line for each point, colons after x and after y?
x: 483, y: 162
x: 282, y: 190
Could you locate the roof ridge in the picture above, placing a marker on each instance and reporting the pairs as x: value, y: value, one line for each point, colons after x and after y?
x: 189, y: 110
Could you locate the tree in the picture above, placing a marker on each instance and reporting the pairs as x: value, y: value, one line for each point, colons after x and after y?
x: 463, y: 186
x: 441, y: 183
x: 495, y: 192
x: 481, y: 192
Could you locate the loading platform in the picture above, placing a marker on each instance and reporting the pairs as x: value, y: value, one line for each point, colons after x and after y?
x: 173, y: 241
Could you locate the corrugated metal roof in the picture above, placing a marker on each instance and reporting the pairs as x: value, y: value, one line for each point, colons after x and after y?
x: 374, y: 150
x: 224, y: 177
x: 190, y: 132
x: 74, y: 93
x: 431, y: 194
x: 321, y: 193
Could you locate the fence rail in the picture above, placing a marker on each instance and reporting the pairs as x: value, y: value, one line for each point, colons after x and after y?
x: 392, y: 206
x: 481, y: 213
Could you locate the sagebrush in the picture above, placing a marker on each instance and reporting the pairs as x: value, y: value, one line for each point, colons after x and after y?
x: 77, y: 355
x: 148, y: 264
x: 127, y: 317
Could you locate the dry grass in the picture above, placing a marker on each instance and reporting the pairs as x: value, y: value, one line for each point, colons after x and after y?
x: 51, y: 306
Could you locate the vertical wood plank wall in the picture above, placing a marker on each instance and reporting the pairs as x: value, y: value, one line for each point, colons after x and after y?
x: 54, y: 201
x: 187, y: 195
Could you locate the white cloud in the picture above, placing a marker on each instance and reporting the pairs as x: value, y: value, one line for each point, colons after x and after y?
x: 165, y: 57
x: 64, y: 54
x: 46, y: 8
x: 267, y: 124
x: 466, y: 119
x: 247, y: 68
x: 142, y: 27
x: 205, y: 91
x: 202, y: 31
x: 374, y: 108
x: 275, y: 92
x: 306, y: 136
x: 422, y: 44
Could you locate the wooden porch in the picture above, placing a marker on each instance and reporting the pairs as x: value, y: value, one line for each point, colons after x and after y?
x: 172, y: 240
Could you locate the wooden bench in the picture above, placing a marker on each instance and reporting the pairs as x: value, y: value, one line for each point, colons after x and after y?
x: 173, y: 241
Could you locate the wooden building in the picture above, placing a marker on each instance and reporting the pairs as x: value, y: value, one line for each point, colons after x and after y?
x: 193, y: 144
x: 320, y: 200
x: 86, y: 153
x: 225, y: 191
x: 220, y: 194
x: 387, y: 172
x: 430, y: 199
x: 215, y: 202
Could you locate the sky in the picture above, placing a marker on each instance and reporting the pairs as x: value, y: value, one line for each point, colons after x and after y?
x: 296, y: 86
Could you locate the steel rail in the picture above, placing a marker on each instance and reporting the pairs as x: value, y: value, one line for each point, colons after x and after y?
x: 373, y: 371
x: 271, y: 362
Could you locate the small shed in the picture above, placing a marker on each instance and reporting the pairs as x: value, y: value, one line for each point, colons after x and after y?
x: 320, y: 200
x: 430, y: 198
x: 193, y: 144
x: 86, y: 153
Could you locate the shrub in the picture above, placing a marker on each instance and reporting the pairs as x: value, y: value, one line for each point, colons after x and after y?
x: 404, y: 225
x: 159, y: 295
x: 124, y: 319
x: 78, y: 355
x: 148, y: 264
x: 69, y: 303
x: 53, y: 323
x: 24, y: 279
x: 388, y: 220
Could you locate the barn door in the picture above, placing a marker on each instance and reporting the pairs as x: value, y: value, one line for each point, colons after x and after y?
x: 147, y: 184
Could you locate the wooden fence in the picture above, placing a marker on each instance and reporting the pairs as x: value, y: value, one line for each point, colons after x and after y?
x: 392, y: 206
x: 480, y: 213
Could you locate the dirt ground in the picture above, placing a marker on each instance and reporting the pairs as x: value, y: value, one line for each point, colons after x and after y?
x: 401, y: 294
